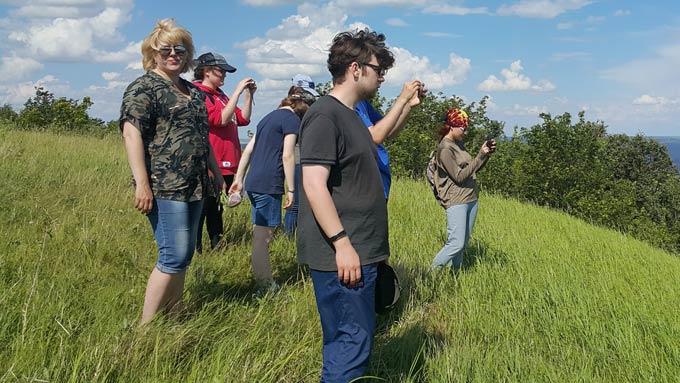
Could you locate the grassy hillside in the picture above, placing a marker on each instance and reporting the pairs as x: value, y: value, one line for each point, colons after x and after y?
x: 544, y: 297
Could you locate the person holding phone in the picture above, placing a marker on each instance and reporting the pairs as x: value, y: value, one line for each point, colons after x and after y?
x: 224, y: 118
x: 456, y: 184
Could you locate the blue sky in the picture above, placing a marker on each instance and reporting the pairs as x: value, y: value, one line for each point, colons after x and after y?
x: 617, y: 60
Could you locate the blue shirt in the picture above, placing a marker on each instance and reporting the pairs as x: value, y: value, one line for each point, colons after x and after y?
x: 370, y: 117
x: 266, y: 175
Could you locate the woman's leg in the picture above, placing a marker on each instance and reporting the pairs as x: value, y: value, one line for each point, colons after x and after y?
x: 456, y: 225
x: 471, y: 218
x: 163, y: 292
x: 262, y: 267
x: 175, y: 225
x: 266, y: 211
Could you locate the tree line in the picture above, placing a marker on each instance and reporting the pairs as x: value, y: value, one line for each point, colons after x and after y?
x: 45, y: 112
x: 626, y: 183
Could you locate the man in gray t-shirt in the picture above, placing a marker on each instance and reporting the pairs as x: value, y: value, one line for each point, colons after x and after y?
x: 342, y: 230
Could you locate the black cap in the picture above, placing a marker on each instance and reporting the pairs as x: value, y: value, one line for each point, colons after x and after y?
x: 214, y: 59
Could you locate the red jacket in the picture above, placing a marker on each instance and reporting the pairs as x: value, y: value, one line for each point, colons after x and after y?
x: 223, y: 138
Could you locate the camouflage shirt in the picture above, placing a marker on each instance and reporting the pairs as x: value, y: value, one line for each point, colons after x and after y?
x: 174, y: 131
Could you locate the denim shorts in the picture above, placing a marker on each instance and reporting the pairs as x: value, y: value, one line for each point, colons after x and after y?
x: 266, y: 209
x: 175, y: 225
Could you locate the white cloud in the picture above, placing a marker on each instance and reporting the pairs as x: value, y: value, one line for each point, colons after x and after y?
x: 108, y: 76
x: 300, y: 45
x: 132, y: 52
x: 646, y: 99
x: 43, y: 11
x: 514, y: 80
x: 622, y: 12
x: 396, y: 22
x: 17, y: 94
x: 17, y: 68
x: 72, y: 38
x: 648, y: 119
x: 563, y: 26
x: 655, y: 72
x: 454, y: 10
x: 546, y: 9
x: 408, y: 67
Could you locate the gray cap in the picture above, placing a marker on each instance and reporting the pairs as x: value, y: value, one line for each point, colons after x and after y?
x: 214, y: 59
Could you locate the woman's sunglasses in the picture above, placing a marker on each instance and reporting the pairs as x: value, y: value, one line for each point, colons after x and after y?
x: 166, y: 50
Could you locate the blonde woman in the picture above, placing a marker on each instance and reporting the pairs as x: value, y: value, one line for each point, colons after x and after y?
x: 165, y: 129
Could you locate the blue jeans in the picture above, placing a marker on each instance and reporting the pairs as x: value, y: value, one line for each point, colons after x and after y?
x: 290, y: 219
x: 175, y: 225
x: 460, y: 219
x: 266, y: 209
x: 348, y: 323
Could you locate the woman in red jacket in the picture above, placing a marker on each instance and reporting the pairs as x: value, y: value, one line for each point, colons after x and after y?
x: 224, y: 118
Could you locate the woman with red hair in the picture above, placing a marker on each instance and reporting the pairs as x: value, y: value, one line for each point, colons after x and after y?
x: 456, y: 185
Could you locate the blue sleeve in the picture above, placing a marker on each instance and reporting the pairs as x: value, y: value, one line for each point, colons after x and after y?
x: 373, y: 114
x: 291, y: 125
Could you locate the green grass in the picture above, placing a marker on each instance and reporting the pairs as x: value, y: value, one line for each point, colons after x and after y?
x: 543, y: 298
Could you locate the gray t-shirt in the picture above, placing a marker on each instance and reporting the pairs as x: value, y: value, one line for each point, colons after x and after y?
x: 335, y: 135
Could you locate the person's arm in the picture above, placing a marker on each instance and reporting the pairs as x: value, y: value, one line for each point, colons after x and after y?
x: 228, y: 111
x: 134, y: 147
x: 401, y: 121
x: 237, y: 184
x: 453, y: 169
x: 395, y: 118
x: 243, y: 118
x: 288, y: 159
x: 314, y: 179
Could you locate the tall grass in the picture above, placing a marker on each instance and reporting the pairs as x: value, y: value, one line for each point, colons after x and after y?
x: 543, y: 296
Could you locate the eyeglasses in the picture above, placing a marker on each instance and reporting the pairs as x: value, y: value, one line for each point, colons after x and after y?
x: 221, y: 71
x: 166, y: 50
x: 381, y: 72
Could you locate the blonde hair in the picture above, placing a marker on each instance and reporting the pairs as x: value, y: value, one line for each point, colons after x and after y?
x: 166, y: 32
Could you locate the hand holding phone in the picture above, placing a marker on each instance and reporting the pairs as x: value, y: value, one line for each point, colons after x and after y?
x: 491, y: 143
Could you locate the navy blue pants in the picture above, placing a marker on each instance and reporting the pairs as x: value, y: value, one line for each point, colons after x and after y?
x: 348, y: 323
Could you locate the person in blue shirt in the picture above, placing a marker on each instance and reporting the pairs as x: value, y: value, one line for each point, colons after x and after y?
x: 310, y: 94
x: 270, y: 157
x: 388, y: 126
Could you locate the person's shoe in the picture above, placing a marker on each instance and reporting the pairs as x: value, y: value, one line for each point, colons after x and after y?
x: 214, y: 241
x: 270, y: 288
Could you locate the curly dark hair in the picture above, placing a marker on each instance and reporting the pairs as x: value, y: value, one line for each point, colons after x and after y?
x: 357, y: 46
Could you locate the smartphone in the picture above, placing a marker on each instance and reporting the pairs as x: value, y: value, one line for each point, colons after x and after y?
x: 422, y: 90
x: 490, y: 141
